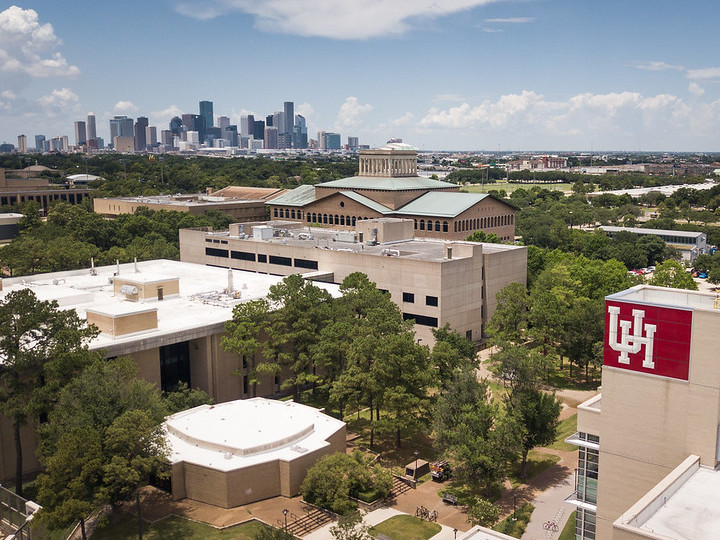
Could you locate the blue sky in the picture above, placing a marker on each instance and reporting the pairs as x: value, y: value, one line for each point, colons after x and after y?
x: 444, y: 74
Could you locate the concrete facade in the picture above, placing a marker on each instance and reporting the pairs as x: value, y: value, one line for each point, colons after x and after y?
x: 660, y: 406
x: 433, y: 282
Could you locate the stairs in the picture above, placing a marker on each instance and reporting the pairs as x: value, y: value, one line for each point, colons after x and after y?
x: 314, y: 518
x: 398, y: 487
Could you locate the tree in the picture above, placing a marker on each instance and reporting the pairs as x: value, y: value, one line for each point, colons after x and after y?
x: 244, y: 333
x: 350, y: 527
x: 271, y: 533
x: 184, y: 398
x: 511, y: 315
x: 672, y: 274
x: 42, y: 348
x: 452, y: 352
x: 102, y: 441
x: 482, y: 512
x: 538, y: 413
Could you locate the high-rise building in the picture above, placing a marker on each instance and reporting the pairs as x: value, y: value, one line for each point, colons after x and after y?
x: 206, y: 112
x: 223, y: 122
x: 279, y: 121
x: 353, y: 143
x: 151, y: 136
x: 269, y: 121
x: 259, y: 130
x: 247, y: 125
x: 300, y: 138
x: 176, y: 126
x: 39, y: 143
x: 140, y: 141
x: 289, y: 116
x: 91, y: 130
x: 22, y: 144
x: 271, y: 137
x: 166, y: 138
x: 332, y: 141
x: 121, y: 126
x: 230, y: 133
x: 80, y: 134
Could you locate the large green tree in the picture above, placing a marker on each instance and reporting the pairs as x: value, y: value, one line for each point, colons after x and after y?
x: 42, y: 348
x: 245, y: 334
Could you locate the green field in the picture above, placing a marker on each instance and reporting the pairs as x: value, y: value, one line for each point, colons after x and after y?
x: 566, y: 428
x: 177, y: 528
x: 510, y: 187
x: 406, y: 527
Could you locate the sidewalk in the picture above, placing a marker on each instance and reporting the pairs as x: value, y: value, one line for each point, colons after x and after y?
x: 550, y: 506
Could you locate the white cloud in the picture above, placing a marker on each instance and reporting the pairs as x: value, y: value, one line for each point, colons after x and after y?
x: 704, y: 73
x: 511, y: 20
x: 404, y: 120
x: 335, y: 19
x: 656, y: 66
x: 234, y: 115
x: 125, y: 107
x: 350, y: 113
x: 59, y: 102
x: 163, y: 117
x: 695, y: 89
x: 306, y: 110
x: 26, y: 47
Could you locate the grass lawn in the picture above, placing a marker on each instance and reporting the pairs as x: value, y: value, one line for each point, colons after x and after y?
x: 176, y: 528
x: 510, y: 187
x: 536, y: 463
x: 568, y: 532
x: 558, y: 376
x: 406, y: 528
x: 516, y: 528
x: 566, y: 428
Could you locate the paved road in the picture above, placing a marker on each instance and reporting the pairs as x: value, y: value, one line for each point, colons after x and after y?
x: 550, y: 506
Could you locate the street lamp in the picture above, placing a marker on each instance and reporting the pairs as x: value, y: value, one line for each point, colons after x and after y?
x: 514, y: 518
x: 454, y: 533
x: 285, y: 513
x: 416, y: 462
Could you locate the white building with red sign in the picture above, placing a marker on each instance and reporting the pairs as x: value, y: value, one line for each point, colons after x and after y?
x: 649, y: 445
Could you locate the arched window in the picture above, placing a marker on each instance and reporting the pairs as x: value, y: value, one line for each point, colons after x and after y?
x: 325, y: 220
x: 275, y: 212
x: 347, y: 220
x: 313, y: 218
x: 342, y: 220
x: 337, y: 220
x: 308, y: 216
x: 445, y: 226
x: 353, y: 221
x: 437, y: 226
x: 292, y: 212
x: 422, y: 224
x: 415, y: 220
x: 430, y: 225
x: 455, y: 226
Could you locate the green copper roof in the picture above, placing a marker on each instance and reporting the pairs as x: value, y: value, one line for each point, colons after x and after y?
x: 300, y: 196
x: 387, y: 183
x: 441, y: 204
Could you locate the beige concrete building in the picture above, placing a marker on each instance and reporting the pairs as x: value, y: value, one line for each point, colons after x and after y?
x: 650, y: 443
x: 243, y: 451
x: 388, y: 186
x: 168, y: 316
x: 19, y: 186
x: 434, y: 282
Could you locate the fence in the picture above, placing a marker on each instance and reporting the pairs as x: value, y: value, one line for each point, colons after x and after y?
x: 16, y: 515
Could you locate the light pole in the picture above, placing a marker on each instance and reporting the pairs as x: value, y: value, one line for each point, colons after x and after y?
x: 514, y: 518
x: 454, y: 533
x: 285, y: 513
x: 416, y: 462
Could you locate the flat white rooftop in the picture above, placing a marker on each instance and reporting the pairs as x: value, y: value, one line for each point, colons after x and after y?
x: 664, y: 296
x: 247, y: 432
x: 201, y: 309
x: 692, y: 512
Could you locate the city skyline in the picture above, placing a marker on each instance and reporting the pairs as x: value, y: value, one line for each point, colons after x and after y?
x: 469, y: 74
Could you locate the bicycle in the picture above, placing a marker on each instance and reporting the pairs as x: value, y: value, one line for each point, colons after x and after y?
x: 550, y: 526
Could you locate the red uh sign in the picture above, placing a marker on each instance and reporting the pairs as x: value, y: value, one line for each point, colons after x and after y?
x: 648, y: 339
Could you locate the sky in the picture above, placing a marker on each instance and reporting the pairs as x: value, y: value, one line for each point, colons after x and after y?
x: 493, y: 75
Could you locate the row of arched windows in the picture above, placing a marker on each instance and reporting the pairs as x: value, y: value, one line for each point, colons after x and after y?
x: 431, y: 225
x: 484, y: 223
x: 333, y: 219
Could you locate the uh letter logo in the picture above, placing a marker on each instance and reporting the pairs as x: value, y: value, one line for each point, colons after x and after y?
x: 631, y: 343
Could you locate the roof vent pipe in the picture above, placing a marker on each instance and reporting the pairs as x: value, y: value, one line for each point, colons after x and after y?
x: 230, y: 285
x: 92, y: 267
x: 448, y: 252
x: 117, y: 267
x: 136, y: 268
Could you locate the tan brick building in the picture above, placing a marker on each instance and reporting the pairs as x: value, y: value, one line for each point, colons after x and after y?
x: 388, y: 186
x: 434, y: 282
x: 650, y: 443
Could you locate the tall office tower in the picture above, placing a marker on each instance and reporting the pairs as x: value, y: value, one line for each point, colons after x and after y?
x: 206, y: 111
x: 279, y: 121
x: 247, y: 125
x: 212, y: 134
x: 284, y: 141
x: 271, y: 137
x: 289, y: 116
x: 332, y: 141
x: 300, y: 132
x: 259, y: 130
x: 321, y: 140
x: 166, y: 137
x: 175, y: 126
x: 80, y: 136
x: 353, y: 143
x: 151, y: 136
x: 223, y: 122
x: 230, y: 133
x: 22, y: 144
x: 64, y: 143
x: 121, y: 126
x: 100, y: 142
x: 269, y: 121
x: 194, y: 122
x: 91, y: 131
x: 193, y: 138
x: 140, y: 142
x: 39, y: 143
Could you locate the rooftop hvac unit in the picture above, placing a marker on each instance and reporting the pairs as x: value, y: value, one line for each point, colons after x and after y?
x: 128, y: 290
